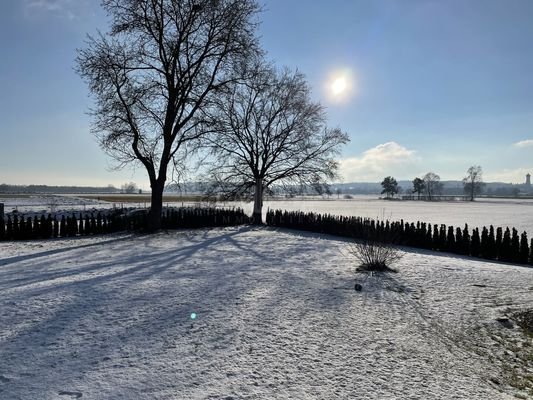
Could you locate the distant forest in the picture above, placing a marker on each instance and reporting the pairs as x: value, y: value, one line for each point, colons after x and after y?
x: 450, y: 188
x: 30, y: 189
x: 337, y: 189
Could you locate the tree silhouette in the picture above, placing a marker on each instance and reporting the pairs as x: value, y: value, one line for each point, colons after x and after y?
x: 267, y: 131
x: 432, y: 184
x: 418, y: 186
x: 473, y: 182
x: 390, y: 186
x: 159, y: 67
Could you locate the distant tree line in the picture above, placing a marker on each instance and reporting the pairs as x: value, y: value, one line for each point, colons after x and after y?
x: 429, y: 186
x: 489, y: 243
x: 31, y: 189
x: 47, y: 227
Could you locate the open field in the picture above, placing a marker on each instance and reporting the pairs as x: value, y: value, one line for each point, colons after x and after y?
x: 142, y: 198
x: 483, y: 212
x: 275, y: 317
x: 516, y: 213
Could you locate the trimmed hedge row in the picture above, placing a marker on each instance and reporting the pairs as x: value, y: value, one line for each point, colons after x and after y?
x: 490, y: 244
x: 46, y: 227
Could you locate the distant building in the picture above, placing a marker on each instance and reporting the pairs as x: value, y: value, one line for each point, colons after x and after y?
x: 528, y: 180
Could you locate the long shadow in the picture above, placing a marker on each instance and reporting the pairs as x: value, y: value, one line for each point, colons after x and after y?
x: 101, y: 295
x: 407, y: 249
x: 11, y: 260
x: 150, y: 265
x: 69, y: 314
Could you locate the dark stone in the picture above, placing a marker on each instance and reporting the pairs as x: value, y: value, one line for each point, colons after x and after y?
x: 358, y: 287
x: 495, y: 381
x: 506, y: 322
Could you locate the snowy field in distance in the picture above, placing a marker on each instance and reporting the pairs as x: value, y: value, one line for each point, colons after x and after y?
x: 109, y: 317
x: 516, y: 213
x: 482, y: 212
x: 40, y: 203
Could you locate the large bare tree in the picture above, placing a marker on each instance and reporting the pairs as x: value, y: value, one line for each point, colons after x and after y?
x: 161, y: 63
x: 432, y: 185
x: 269, y: 132
x: 473, y: 181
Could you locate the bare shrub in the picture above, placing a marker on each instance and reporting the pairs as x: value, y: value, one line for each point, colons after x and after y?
x: 374, y: 255
x: 525, y: 320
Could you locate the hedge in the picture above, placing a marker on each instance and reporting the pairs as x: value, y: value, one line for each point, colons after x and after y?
x: 507, y: 246
x: 46, y: 227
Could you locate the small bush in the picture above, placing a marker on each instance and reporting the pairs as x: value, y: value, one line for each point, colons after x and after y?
x: 525, y: 320
x: 375, y: 256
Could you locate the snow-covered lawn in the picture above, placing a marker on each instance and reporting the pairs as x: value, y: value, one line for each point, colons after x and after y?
x: 110, y: 317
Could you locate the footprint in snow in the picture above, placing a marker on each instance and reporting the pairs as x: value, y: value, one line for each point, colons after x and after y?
x: 73, y: 395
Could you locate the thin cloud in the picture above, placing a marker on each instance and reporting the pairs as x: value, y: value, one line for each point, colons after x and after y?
x: 374, y: 164
x: 62, y: 8
x: 517, y: 175
x: 524, y: 143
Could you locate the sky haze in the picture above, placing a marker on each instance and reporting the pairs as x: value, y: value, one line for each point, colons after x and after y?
x: 430, y: 86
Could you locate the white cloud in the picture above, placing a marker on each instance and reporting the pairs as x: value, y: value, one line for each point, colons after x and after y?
x: 524, y: 143
x: 517, y: 175
x: 62, y: 8
x: 374, y: 164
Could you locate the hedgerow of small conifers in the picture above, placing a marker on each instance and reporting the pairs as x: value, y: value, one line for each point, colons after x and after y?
x: 504, y: 246
x: 44, y: 227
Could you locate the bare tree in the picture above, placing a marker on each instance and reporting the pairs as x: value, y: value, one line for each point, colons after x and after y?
x: 160, y: 64
x: 432, y: 185
x: 473, y: 181
x: 268, y: 131
x: 129, y: 187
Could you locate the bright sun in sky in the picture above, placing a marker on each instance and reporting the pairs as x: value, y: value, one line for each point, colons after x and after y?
x: 339, y: 86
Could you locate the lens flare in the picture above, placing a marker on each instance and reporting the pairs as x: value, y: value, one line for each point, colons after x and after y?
x: 193, y: 315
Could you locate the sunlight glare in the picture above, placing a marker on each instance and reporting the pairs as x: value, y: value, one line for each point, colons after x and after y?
x: 339, y: 86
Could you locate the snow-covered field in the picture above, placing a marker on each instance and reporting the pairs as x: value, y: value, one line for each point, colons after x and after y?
x: 482, y: 212
x: 49, y: 203
x: 111, y: 317
x: 516, y: 213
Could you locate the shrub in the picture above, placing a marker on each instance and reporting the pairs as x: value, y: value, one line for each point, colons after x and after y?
x: 375, y: 256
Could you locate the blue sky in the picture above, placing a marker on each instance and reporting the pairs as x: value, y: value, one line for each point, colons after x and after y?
x: 436, y: 86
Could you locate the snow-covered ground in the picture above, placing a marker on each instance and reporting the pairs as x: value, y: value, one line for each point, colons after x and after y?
x: 111, y: 317
x: 39, y: 203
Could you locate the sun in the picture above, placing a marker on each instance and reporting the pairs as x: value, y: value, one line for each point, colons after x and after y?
x: 339, y: 85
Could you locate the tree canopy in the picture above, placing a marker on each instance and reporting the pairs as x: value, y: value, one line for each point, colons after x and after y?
x: 473, y: 181
x: 158, y: 66
x: 390, y: 186
x: 268, y: 131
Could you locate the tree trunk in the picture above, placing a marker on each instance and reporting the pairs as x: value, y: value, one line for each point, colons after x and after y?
x: 257, y: 216
x: 156, y: 206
